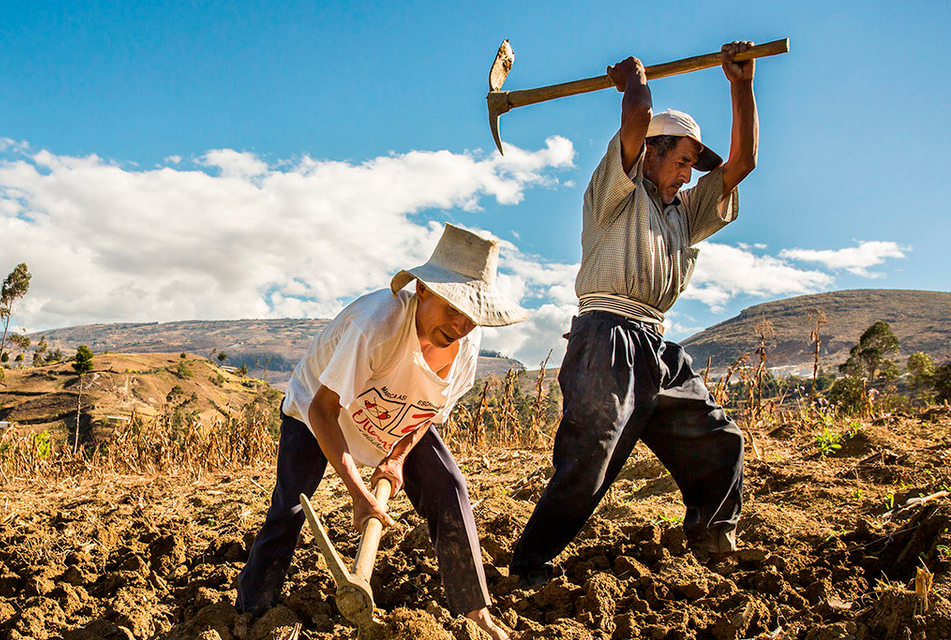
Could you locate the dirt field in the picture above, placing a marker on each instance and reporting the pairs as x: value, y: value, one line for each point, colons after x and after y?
x: 828, y: 551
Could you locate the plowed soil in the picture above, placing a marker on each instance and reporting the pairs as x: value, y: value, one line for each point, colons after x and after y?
x: 830, y: 548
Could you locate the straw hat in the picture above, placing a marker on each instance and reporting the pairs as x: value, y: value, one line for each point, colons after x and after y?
x: 680, y: 124
x: 461, y: 271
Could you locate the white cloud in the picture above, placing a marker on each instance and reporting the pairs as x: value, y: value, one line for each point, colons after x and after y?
x: 855, y: 260
x: 549, y: 286
x: 232, y: 236
x: 723, y: 272
x: 531, y: 340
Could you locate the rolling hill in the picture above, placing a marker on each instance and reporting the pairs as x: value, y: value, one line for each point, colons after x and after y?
x: 920, y: 319
x: 270, y: 349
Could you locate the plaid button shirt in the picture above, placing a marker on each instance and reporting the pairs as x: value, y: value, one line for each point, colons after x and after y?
x: 636, y: 253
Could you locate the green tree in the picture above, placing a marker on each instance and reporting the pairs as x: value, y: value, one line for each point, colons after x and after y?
x: 942, y: 382
x: 14, y: 287
x: 870, y: 355
x: 20, y: 340
x: 222, y: 357
x: 82, y: 364
x: 921, y: 368
x: 182, y: 370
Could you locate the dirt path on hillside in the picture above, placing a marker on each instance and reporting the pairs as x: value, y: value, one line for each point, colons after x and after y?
x: 822, y: 557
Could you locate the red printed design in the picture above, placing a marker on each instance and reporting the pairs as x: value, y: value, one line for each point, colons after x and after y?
x: 383, y: 422
x: 415, y: 418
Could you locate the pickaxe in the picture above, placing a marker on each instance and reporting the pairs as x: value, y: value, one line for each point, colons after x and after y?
x: 354, y: 596
x: 500, y: 101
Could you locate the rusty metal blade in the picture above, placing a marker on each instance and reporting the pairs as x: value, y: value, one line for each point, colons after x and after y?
x: 498, y: 104
x: 337, y: 568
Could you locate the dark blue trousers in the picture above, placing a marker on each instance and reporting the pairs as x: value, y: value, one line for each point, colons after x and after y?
x: 622, y: 382
x: 434, y: 485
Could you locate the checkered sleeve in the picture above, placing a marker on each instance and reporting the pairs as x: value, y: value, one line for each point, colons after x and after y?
x: 706, y: 209
x: 610, y: 186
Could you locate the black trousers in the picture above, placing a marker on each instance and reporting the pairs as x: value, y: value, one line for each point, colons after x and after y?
x: 434, y: 485
x: 622, y: 382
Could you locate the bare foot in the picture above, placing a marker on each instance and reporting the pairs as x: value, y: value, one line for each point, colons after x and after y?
x: 482, y: 618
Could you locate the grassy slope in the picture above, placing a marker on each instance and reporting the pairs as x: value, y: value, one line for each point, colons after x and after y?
x: 43, y: 397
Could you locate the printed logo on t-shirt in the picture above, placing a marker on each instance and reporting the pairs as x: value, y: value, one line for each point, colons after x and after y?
x: 383, y: 421
x: 416, y: 417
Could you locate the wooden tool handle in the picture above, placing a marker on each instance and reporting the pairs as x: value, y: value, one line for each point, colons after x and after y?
x: 372, y: 531
x: 541, y: 94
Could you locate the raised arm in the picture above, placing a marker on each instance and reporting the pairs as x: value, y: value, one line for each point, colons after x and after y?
x: 636, y: 108
x: 744, y: 140
x: 323, y: 414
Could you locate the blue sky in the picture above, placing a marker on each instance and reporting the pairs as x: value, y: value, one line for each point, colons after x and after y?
x: 223, y: 160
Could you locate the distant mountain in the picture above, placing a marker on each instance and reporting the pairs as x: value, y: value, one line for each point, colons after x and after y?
x: 920, y: 319
x: 268, y: 348
x: 272, y: 348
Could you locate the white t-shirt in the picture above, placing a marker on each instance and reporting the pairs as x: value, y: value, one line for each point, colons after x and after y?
x: 370, y: 356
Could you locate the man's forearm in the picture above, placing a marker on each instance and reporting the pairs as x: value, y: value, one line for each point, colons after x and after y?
x: 744, y: 139
x: 630, y: 79
x: 323, y: 418
x: 405, y: 444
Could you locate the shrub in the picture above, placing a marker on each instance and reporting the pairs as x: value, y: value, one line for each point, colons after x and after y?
x: 183, y: 370
x: 848, y: 394
x: 942, y: 382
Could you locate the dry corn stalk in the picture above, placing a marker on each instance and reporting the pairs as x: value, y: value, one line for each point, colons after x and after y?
x: 508, y: 418
x: 923, y: 581
x: 141, y: 447
x: 478, y: 423
x: 721, y: 393
x: 535, y: 434
x: 820, y: 319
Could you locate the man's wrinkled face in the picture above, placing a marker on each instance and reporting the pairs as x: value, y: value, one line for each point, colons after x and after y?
x: 437, y: 321
x: 672, y: 171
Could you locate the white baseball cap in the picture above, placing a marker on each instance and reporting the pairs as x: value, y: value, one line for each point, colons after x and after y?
x: 680, y: 124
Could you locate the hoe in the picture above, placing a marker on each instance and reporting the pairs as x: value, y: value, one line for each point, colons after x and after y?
x: 354, y: 596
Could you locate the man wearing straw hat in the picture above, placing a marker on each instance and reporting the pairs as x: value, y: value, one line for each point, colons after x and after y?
x: 620, y: 380
x: 388, y: 367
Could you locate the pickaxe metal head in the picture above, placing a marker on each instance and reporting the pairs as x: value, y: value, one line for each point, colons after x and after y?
x: 498, y: 99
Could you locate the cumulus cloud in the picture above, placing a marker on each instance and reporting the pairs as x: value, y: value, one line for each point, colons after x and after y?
x: 723, y: 272
x: 230, y: 235
x: 531, y: 341
x: 855, y: 260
